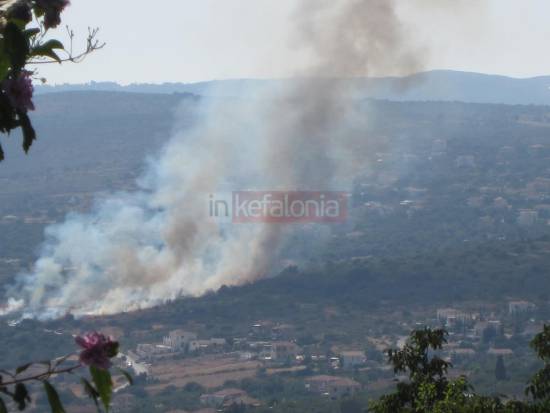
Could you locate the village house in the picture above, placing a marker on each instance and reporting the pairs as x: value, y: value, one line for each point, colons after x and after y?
x: 500, y: 352
x: 532, y: 329
x: 332, y: 386
x: 449, y: 317
x: 177, y: 340
x: 481, y: 326
x: 210, y: 344
x: 152, y: 351
x: 519, y: 307
x: 284, y: 350
x: 501, y: 203
x: 461, y: 353
x: 527, y: 217
x: 9, y: 219
x: 352, y: 359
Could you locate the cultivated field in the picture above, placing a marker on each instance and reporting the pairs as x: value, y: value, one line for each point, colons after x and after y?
x: 209, y: 371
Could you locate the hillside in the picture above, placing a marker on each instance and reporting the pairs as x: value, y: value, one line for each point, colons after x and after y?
x: 438, y: 85
x: 444, y: 173
x: 450, y: 212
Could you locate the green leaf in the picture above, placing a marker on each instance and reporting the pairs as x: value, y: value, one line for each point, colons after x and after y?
x: 104, y: 385
x: 53, y: 44
x: 127, y: 376
x: 89, y: 389
x: 3, y: 408
x: 16, y: 46
x: 51, y: 54
x: 21, y: 396
x: 19, y: 23
x: 22, y: 368
x: 53, y: 398
x: 31, y: 32
x: 47, y: 50
x: 29, y: 135
x: 4, y: 60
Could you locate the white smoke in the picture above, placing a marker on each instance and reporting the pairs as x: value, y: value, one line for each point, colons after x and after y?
x: 140, y: 249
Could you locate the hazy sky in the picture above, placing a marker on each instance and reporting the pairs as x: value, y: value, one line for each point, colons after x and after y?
x: 194, y: 40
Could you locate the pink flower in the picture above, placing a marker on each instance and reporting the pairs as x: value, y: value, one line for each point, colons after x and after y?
x: 52, y: 11
x: 97, y: 349
x: 19, y: 91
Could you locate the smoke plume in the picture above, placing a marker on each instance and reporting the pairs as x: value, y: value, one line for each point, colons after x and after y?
x: 139, y: 249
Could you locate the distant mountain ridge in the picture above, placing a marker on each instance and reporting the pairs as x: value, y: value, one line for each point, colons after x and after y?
x: 438, y: 85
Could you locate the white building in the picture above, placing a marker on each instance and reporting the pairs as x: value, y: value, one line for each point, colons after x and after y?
x: 444, y: 313
x: 283, y: 350
x: 518, y: 307
x: 501, y: 203
x: 481, y: 326
x: 527, y: 217
x: 178, y: 339
x: 150, y: 351
x: 451, y: 316
x: 197, y: 345
x: 351, y: 359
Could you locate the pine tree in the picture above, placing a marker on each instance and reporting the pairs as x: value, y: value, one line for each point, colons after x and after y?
x: 500, y: 370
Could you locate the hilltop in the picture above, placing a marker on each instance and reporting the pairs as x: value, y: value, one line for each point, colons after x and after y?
x: 437, y: 85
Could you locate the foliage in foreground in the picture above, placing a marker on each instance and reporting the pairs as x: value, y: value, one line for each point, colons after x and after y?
x: 96, y: 354
x: 429, y: 390
x: 24, y: 26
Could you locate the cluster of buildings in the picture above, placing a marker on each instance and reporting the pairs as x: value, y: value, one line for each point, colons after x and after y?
x: 476, y: 323
x: 268, y: 345
x: 181, y: 342
x: 467, y: 328
x: 178, y: 342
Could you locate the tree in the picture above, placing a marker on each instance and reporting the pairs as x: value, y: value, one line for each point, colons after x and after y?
x: 500, y: 370
x: 539, y: 386
x: 428, y: 390
x: 427, y: 382
x: 24, y: 26
x: 351, y: 406
x: 235, y: 408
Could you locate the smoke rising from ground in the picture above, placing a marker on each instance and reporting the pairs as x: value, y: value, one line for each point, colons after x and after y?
x: 140, y: 249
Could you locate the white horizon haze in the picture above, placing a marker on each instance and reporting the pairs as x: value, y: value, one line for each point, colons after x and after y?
x: 190, y: 41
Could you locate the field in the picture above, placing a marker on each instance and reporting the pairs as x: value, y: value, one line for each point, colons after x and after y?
x: 209, y: 371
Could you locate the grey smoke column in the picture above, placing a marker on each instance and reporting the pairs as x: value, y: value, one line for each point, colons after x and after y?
x: 316, y: 123
x: 136, y: 250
